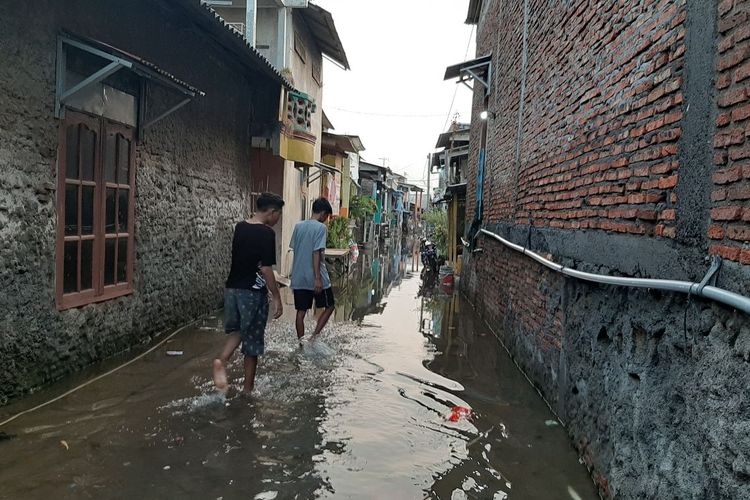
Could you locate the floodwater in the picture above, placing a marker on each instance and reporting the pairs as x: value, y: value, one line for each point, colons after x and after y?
x: 364, y: 414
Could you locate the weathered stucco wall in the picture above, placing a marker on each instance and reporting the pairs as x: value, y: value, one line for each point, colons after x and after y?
x: 192, y: 184
x: 612, y: 150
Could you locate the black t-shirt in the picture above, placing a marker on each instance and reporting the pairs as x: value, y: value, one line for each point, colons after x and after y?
x: 253, y: 246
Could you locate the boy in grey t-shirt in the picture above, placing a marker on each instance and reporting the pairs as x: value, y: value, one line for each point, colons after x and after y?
x: 310, y: 278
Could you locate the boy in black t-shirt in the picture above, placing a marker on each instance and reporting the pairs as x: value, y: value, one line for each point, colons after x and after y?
x: 246, y: 295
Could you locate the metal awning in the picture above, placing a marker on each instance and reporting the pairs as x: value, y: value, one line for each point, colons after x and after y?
x: 114, y: 60
x: 456, y: 188
x: 437, y: 159
x: 452, y: 190
x: 327, y: 168
x: 474, y: 12
x: 322, y: 167
x: 479, y: 69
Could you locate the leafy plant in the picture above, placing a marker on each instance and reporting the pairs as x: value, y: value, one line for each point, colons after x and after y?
x: 361, y: 206
x: 339, y: 233
x: 437, y: 221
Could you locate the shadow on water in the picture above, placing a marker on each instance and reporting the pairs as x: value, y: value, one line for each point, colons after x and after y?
x: 364, y: 413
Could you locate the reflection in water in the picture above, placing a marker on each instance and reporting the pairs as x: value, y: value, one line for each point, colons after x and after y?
x: 515, y: 452
x: 363, y: 414
x: 361, y: 290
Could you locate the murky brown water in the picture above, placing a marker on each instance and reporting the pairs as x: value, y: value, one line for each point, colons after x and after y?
x: 362, y: 416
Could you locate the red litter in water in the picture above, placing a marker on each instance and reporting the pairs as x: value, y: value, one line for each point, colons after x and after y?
x: 459, y: 411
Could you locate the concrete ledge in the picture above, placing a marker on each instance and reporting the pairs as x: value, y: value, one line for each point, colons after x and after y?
x: 629, y: 255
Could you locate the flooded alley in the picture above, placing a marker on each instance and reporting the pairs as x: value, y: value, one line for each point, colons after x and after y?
x: 366, y: 413
x: 534, y: 218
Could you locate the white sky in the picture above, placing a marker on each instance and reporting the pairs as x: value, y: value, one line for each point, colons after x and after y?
x: 398, y: 51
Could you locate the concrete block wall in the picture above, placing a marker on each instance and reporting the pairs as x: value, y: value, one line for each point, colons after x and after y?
x: 617, y: 147
x: 193, y: 182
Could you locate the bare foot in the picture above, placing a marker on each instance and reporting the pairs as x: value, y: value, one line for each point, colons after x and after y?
x: 220, y: 376
x: 247, y: 392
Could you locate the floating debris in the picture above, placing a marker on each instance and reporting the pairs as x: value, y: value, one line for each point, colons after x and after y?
x: 458, y: 412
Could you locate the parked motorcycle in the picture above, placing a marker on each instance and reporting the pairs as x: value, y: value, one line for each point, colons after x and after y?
x: 428, y: 254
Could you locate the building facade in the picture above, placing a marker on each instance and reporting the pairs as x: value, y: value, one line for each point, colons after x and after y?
x: 451, y: 163
x: 614, y: 141
x: 121, y: 182
x: 294, y: 35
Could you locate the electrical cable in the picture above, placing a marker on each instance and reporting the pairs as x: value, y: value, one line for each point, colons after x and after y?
x: 455, y: 91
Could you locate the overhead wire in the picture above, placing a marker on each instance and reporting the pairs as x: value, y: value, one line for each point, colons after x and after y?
x: 455, y: 91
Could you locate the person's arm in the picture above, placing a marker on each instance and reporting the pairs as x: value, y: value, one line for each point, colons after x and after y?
x: 292, y: 245
x: 316, y: 269
x: 266, y: 270
x: 273, y: 287
x: 318, y: 253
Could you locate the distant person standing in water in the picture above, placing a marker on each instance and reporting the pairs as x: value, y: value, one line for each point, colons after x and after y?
x: 246, y: 295
x: 310, y: 279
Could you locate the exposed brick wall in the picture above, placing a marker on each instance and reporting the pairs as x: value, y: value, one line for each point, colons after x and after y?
x: 730, y: 216
x: 516, y: 297
x: 632, y: 158
x: 601, y: 120
x: 193, y: 180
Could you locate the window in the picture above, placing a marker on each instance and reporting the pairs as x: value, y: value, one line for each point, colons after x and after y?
x: 96, y: 181
x: 316, y: 70
x: 299, y: 47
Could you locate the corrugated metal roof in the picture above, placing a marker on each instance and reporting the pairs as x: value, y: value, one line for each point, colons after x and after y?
x: 233, y: 39
x: 323, y: 29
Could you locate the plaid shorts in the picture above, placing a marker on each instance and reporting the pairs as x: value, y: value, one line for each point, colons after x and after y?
x: 246, y: 312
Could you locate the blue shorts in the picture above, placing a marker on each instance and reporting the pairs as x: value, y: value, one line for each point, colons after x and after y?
x: 246, y: 313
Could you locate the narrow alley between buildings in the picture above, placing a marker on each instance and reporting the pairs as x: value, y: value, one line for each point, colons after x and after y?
x: 364, y: 413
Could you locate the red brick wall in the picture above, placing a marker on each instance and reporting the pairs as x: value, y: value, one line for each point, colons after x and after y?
x: 519, y: 294
x: 730, y: 216
x: 615, y: 165
x: 601, y: 120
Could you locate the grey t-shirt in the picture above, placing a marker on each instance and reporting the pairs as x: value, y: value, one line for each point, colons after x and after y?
x: 309, y: 236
